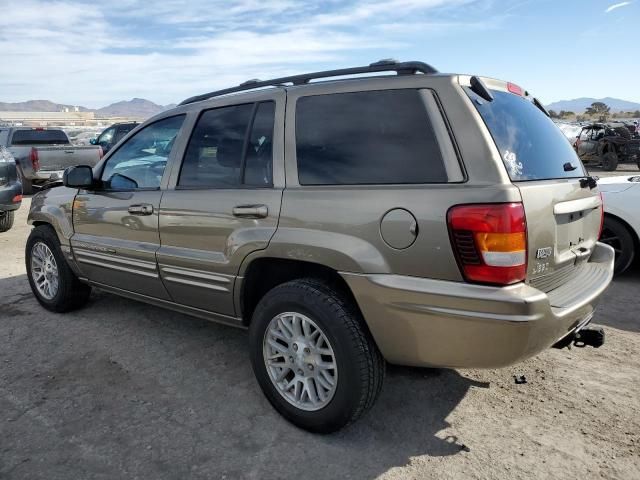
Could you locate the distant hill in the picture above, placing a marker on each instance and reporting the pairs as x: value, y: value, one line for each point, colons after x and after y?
x: 136, y: 108
x: 37, y: 106
x: 578, y: 105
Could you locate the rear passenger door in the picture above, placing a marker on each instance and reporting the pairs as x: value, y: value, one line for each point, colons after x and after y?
x: 225, y: 202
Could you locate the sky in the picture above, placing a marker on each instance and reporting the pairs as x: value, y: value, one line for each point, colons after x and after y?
x: 96, y: 53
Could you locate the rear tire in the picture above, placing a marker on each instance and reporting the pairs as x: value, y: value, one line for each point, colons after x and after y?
x: 43, y: 258
x: 352, y: 386
x: 6, y: 220
x: 609, y: 161
x: 617, y: 235
x: 27, y: 185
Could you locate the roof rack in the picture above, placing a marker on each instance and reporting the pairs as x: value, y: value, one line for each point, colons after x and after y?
x: 385, y: 65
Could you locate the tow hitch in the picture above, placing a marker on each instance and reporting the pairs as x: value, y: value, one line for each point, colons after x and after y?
x: 588, y: 336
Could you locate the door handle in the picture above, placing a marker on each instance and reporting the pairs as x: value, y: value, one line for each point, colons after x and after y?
x: 250, y: 211
x: 141, y: 209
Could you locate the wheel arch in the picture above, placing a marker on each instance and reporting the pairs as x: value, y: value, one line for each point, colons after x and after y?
x: 261, y: 274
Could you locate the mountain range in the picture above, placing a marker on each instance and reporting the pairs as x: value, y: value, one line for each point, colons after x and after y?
x: 578, y: 105
x: 134, y: 108
x: 141, y: 108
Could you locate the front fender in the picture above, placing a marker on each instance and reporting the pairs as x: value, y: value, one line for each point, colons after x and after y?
x: 54, y: 207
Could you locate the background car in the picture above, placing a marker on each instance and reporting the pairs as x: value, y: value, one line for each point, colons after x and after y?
x: 112, y: 135
x: 621, y: 227
x: 10, y: 189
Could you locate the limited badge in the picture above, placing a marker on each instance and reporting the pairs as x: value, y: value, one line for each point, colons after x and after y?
x: 544, y: 252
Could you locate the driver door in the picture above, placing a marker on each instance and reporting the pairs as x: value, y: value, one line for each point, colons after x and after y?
x: 116, y: 225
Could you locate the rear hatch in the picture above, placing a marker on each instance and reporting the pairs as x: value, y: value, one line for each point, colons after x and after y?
x: 563, y: 214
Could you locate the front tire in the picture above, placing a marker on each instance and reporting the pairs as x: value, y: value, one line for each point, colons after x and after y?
x: 313, y: 357
x: 617, y: 235
x: 609, y: 161
x: 6, y: 220
x: 52, y: 281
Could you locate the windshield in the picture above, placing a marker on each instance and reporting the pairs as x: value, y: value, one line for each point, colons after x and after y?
x: 531, y: 145
x: 39, y: 137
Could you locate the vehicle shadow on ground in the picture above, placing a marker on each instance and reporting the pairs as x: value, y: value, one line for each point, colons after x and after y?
x: 616, y: 308
x: 164, y: 395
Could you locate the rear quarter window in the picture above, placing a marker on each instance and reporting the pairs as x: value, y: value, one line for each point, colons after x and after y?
x: 532, y: 147
x: 373, y: 137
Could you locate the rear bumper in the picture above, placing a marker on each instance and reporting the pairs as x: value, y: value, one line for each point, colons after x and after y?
x: 424, y: 322
x: 7, y: 194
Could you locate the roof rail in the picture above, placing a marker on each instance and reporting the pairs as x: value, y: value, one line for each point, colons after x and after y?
x: 385, y: 65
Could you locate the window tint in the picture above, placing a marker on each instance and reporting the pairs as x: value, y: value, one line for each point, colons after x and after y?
x: 258, y: 166
x: 214, y: 157
x: 105, y: 138
x: 39, y: 137
x: 531, y: 145
x: 141, y: 161
x: 378, y: 137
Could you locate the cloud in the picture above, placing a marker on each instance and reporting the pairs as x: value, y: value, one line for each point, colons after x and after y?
x: 90, y: 53
x: 616, y: 5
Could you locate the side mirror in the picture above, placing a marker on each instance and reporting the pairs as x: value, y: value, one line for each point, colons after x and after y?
x: 80, y: 176
x: 93, y: 141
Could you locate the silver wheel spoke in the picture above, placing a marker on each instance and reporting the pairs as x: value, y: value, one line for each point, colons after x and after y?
x: 44, y: 271
x: 300, y: 361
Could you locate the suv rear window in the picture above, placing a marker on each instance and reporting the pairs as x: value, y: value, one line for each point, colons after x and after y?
x: 531, y: 145
x: 374, y: 137
x: 39, y: 137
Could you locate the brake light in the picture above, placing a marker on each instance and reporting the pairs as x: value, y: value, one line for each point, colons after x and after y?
x: 601, y: 215
x: 16, y: 198
x: 35, y: 162
x: 513, y: 88
x: 490, y: 242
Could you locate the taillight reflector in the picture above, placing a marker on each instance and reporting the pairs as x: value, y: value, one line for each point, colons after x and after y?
x: 513, y: 88
x: 35, y: 162
x: 16, y: 198
x: 490, y: 242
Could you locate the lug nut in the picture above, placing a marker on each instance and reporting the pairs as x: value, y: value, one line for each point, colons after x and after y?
x: 306, y: 350
x: 300, y: 372
x: 310, y: 367
x: 291, y: 359
x: 295, y: 347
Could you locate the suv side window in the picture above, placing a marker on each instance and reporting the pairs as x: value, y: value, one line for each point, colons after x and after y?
x: 140, y: 162
x: 105, y: 138
x: 229, y: 147
x: 373, y: 137
x: 4, y: 136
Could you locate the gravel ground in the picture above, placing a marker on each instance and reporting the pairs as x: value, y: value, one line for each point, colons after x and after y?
x: 125, y: 390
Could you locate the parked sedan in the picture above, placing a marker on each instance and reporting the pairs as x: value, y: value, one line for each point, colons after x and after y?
x: 621, y: 227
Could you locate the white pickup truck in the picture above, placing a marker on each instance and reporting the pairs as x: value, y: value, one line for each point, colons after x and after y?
x: 42, y: 154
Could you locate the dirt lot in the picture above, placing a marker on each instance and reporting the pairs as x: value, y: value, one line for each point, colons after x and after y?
x: 124, y: 390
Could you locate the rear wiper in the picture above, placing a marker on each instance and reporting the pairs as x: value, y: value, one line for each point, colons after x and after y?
x: 589, y: 181
x: 569, y: 167
x: 537, y: 103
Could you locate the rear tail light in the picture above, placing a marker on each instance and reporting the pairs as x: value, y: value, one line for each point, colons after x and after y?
x: 490, y: 242
x: 35, y: 162
x: 601, y: 215
x: 16, y: 198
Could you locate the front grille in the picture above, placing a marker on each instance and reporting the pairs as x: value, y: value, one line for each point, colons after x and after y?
x: 466, y: 247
